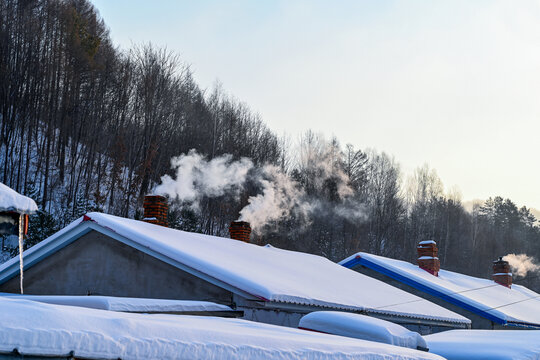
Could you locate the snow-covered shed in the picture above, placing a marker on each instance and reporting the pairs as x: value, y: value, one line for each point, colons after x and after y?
x: 12, y: 201
x: 102, y: 254
x: 14, y: 211
x: 487, y: 303
x: 33, y: 330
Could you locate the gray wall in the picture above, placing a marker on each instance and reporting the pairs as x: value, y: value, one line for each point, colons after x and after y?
x: 98, y: 265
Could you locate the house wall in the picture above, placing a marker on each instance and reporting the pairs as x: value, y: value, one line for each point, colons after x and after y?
x: 478, y: 322
x: 98, y: 265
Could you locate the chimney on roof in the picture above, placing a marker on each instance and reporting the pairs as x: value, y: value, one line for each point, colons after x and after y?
x: 240, y: 230
x: 428, y: 257
x: 156, y: 209
x: 501, y: 273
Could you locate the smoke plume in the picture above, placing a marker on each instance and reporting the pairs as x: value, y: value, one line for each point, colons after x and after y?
x: 197, y: 177
x: 521, y: 264
x: 279, y: 195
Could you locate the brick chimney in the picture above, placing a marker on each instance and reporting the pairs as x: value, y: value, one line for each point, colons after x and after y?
x: 501, y: 273
x: 428, y: 257
x: 240, y: 230
x: 156, y: 209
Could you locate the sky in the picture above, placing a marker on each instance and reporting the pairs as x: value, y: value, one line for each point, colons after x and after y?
x: 454, y: 84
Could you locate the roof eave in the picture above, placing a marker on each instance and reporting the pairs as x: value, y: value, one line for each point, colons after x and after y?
x: 385, y: 315
x: 42, y: 251
x: 360, y: 261
x: 46, y: 249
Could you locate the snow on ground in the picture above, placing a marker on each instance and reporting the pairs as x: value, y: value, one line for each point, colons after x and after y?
x: 10, y: 200
x: 362, y: 327
x: 517, y: 304
x: 34, y: 328
x: 269, y: 273
x: 124, y: 304
x: 486, y: 344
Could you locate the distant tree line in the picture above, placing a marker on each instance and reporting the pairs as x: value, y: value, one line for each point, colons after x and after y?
x: 85, y: 126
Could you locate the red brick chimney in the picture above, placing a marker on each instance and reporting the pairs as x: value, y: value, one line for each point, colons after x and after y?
x: 501, y: 273
x: 156, y: 209
x: 240, y: 230
x: 428, y: 257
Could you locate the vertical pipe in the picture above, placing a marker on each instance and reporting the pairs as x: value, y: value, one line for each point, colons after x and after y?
x: 21, y: 238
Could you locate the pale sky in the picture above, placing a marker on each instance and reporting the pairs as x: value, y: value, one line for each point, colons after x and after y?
x: 455, y: 84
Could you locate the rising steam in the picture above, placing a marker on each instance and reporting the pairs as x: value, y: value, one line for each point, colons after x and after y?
x: 197, y: 177
x: 521, y: 264
x: 280, y: 196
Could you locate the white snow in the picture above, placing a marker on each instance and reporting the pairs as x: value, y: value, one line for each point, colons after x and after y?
x: 486, y: 344
x: 517, y: 304
x: 10, y: 200
x: 362, y: 327
x: 269, y: 273
x: 35, y: 328
x: 124, y: 304
x: 426, y: 242
x: 427, y: 258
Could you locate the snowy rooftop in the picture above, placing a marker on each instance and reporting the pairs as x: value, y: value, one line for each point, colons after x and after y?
x: 486, y: 344
x: 126, y: 304
x: 517, y: 305
x: 263, y: 272
x: 362, y: 327
x: 33, y: 328
x: 10, y: 200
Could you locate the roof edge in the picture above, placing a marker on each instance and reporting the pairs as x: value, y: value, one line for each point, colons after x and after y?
x: 359, y: 260
x: 81, y: 227
x: 44, y: 249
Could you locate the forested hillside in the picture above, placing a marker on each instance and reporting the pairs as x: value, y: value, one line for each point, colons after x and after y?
x: 86, y: 126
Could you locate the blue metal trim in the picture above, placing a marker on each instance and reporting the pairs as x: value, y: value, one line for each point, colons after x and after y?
x: 523, y: 325
x: 419, y: 286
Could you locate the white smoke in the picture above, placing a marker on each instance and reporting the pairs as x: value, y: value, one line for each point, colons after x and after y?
x: 280, y: 196
x: 197, y: 177
x: 321, y: 160
x: 521, y: 264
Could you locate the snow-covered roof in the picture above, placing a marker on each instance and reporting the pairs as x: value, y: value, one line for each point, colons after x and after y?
x: 257, y: 272
x: 125, y: 304
x: 515, y: 306
x: 10, y: 200
x: 486, y: 344
x: 33, y: 328
x: 362, y: 327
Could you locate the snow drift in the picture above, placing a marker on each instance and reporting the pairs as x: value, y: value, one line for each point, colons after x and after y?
x: 33, y: 328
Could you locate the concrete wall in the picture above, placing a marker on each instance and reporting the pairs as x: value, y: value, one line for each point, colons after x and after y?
x: 98, y: 265
x: 478, y: 322
x: 274, y: 317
